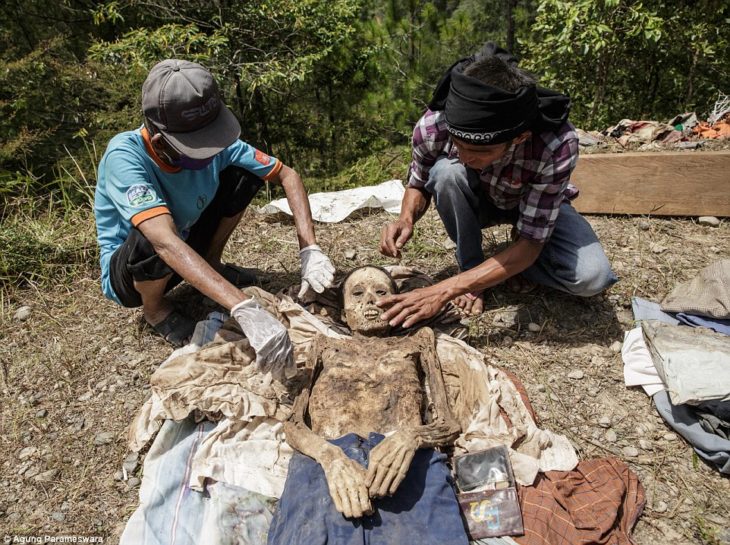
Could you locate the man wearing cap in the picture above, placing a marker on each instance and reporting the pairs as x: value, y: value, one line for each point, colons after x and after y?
x: 492, y: 148
x: 170, y: 194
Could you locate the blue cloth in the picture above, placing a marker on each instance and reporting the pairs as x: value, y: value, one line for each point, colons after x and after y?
x: 720, y: 326
x: 423, y: 511
x: 130, y: 182
x: 572, y: 260
x: 685, y: 420
x: 649, y: 310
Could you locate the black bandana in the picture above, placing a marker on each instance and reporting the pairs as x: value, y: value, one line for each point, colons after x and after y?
x: 481, y: 114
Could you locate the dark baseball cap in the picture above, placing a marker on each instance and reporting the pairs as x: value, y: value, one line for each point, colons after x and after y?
x: 182, y: 100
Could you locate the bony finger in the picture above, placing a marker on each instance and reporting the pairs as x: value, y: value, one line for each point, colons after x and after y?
x: 346, y: 505
x: 396, y: 481
x: 385, y: 485
x: 365, y: 505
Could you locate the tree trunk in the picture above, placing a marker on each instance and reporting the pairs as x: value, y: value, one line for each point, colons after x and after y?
x: 511, y: 4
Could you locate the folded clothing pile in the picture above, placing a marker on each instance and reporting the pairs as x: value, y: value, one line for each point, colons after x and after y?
x: 687, y: 369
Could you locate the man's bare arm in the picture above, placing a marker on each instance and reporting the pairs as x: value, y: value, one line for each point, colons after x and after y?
x: 296, y: 196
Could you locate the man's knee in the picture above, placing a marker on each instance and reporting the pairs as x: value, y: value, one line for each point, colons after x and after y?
x: 593, y: 274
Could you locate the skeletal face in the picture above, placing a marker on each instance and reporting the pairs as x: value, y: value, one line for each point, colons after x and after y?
x: 361, y: 290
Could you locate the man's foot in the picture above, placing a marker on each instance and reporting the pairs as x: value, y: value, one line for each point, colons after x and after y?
x: 471, y: 303
x: 175, y: 328
x: 520, y: 284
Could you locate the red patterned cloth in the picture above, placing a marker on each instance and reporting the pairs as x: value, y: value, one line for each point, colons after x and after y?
x: 597, y: 503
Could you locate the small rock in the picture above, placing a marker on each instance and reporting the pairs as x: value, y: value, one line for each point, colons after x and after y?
x: 541, y: 388
x: 658, y: 248
x: 86, y: 396
x: 660, y: 507
x: 104, y: 438
x: 118, y: 476
x: 350, y: 254
x: 130, y: 462
x: 448, y: 244
x: 644, y: 225
x: 133, y: 482
x: 576, y: 374
x: 58, y: 516
x: 41, y: 414
x: 630, y: 452
x: 535, y: 328
x: 31, y: 472
x: 64, y: 506
x: 27, y: 452
x: 554, y: 397
x: 115, y: 340
x: 605, y: 422
x: 616, y: 347
x: 507, y: 341
x: 644, y: 444
x: 712, y: 221
x: 46, y: 476
x: 611, y: 436
x: 669, y: 437
x: 22, y: 314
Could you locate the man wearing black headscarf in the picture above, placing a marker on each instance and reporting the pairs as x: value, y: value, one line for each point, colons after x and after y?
x: 493, y: 147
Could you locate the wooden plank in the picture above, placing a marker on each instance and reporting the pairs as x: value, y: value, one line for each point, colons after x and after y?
x: 677, y: 183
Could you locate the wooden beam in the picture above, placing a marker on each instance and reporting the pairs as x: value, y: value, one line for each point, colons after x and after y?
x: 689, y: 183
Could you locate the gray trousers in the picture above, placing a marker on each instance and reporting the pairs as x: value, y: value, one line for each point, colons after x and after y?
x: 572, y: 260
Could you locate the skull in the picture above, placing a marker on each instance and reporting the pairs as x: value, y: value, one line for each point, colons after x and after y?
x: 360, y: 290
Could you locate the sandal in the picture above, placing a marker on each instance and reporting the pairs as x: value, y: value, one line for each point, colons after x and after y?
x: 176, y: 329
x: 239, y: 276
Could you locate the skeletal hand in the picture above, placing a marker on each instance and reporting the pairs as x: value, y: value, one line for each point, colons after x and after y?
x: 389, y: 463
x: 346, y: 482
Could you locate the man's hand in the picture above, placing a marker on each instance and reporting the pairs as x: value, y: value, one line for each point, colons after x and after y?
x: 346, y: 482
x: 268, y: 337
x: 414, y: 306
x: 389, y: 463
x: 394, y: 236
x: 317, y: 270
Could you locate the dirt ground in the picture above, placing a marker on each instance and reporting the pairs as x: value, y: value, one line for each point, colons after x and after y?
x: 76, y: 370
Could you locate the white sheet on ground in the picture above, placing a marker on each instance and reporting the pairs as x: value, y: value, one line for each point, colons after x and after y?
x: 639, y: 368
x: 335, y: 206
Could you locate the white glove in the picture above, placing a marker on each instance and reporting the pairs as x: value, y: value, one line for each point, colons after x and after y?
x: 318, y: 272
x: 268, y: 337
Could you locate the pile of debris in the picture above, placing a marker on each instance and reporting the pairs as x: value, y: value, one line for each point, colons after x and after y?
x: 684, y: 131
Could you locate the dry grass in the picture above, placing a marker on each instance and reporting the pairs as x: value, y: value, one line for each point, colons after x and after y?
x: 87, y: 363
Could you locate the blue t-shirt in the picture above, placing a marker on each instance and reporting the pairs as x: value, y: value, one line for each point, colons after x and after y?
x: 132, y: 187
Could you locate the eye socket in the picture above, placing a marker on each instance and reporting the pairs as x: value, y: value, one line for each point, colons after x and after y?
x: 381, y: 292
x: 358, y: 292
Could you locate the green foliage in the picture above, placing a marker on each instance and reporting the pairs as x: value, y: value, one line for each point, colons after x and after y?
x: 631, y: 58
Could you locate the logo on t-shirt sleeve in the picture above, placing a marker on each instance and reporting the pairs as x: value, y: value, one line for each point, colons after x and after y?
x: 139, y: 195
x: 262, y: 158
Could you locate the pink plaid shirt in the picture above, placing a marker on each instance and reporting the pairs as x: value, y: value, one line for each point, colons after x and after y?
x: 534, y: 175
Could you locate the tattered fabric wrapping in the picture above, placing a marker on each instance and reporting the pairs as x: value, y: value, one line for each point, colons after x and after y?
x: 482, y: 114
